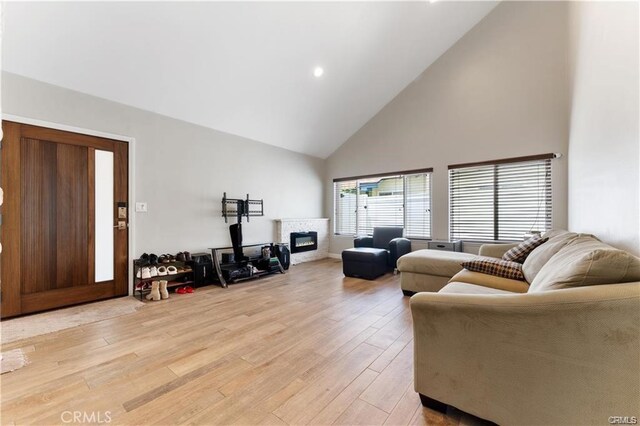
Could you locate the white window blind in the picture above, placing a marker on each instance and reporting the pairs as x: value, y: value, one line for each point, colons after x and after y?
x: 418, y: 205
x: 380, y: 203
x: 345, y: 207
x: 403, y: 200
x: 501, y: 201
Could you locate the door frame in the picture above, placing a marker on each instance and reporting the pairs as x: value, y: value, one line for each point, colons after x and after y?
x: 131, y: 141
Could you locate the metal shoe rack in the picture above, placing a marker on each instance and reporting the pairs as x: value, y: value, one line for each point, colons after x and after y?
x: 141, y: 286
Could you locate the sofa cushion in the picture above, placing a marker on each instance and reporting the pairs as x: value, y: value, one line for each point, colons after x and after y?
x: 478, y: 278
x: 586, y: 261
x: 541, y: 255
x: 520, y: 252
x: 497, y: 267
x: 465, y: 288
x: 433, y: 262
x: 495, y: 250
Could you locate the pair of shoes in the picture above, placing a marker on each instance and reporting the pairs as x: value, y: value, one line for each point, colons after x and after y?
x: 183, y: 256
x: 147, y: 259
x: 167, y: 270
x: 145, y: 272
x: 158, y: 290
x: 142, y: 286
x: 166, y: 258
x: 185, y: 290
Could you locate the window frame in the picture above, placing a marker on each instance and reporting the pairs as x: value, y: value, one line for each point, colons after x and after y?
x: 403, y: 175
x: 495, y: 163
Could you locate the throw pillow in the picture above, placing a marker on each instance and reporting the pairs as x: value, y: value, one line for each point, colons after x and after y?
x: 496, y: 267
x: 520, y: 252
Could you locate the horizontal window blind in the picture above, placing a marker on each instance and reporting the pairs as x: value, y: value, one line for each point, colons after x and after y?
x: 502, y: 201
x: 418, y: 205
x: 380, y: 203
x: 345, y: 207
x: 403, y: 200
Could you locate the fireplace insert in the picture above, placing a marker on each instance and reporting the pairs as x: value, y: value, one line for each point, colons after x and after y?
x: 303, y: 241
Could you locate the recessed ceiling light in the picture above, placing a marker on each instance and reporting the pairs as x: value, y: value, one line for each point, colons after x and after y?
x: 318, y: 72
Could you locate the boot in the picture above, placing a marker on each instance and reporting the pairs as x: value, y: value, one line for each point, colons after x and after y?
x: 163, y: 289
x: 155, y: 291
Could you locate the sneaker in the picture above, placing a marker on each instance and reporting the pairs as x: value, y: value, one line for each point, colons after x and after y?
x: 153, y: 259
x: 181, y: 290
x: 172, y: 270
x: 139, y: 273
x: 187, y: 256
x: 144, y: 259
x: 153, y: 271
x: 162, y: 270
x: 180, y: 257
x: 146, y: 273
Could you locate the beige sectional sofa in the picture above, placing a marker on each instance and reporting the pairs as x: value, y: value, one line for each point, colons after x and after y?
x: 430, y: 270
x: 561, y: 348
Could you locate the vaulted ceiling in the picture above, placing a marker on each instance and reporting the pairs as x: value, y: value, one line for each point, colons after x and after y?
x: 242, y: 68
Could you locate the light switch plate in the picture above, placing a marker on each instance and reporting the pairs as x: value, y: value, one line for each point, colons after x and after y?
x: 141, y: 207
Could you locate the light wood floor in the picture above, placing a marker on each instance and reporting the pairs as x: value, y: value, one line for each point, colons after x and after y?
x: 307, y: 347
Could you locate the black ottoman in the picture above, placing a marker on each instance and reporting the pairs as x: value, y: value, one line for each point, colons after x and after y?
x: 364, y: 262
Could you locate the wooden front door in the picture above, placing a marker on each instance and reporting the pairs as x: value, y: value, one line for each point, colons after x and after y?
x: 64, y: 238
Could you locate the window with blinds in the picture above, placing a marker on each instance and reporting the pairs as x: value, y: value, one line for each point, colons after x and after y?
x: 402, y: 199
x: 502, y: 201
x: 345, y: 207
x: 418, y: 205
x: 380, y: 203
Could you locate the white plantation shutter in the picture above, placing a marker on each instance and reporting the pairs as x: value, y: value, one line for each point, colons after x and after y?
x: 345, y: 207
x: 418, y: 205
x: 501, y: 201
x: 400, y: 199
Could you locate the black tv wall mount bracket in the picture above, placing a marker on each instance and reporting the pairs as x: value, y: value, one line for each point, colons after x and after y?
x: 241, y: 207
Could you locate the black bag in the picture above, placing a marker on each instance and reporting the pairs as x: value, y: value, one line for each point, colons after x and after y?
x: 283, y: 254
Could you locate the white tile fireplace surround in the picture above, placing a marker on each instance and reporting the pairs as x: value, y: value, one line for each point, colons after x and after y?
x: 284, y: 227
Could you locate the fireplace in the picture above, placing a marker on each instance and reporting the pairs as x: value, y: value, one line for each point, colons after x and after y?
x: 303, y: 241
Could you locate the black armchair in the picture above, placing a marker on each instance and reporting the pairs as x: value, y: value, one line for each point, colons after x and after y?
x: 373, y: 256
x: 386, y: 238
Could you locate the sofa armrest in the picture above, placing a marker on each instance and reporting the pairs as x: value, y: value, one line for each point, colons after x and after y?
x: 363, y: 242
x: 398, y: 247
x: 495, y: 250
x: 555, y: 357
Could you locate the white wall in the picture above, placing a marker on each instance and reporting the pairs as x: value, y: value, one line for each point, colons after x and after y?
x: 604, y: 177
x: 501, y: 91
x: 181, y: 170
